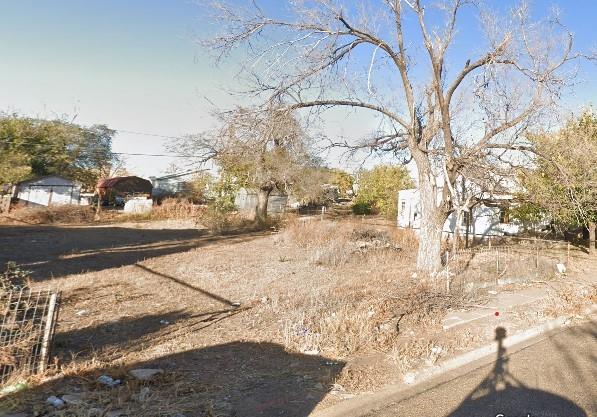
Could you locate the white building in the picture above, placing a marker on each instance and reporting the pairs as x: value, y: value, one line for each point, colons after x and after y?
x: 47, y: 191
x: 173, y: 185
x: 487, y: 219
x: 246, y: 200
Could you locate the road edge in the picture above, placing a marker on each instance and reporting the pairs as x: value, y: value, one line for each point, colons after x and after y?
x: 367, y: 402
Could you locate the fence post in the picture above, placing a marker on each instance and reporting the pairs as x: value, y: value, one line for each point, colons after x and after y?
x: 448, y: 272
x: 322, y: 212
x: 537, y: 254
x: 568, y: 255
x: 47, y: 334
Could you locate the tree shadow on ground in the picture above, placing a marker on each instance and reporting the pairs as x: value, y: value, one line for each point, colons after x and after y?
x: 240, y: 379
x: 51, y: 251
x: 133, y: 334
x: 501, y: 394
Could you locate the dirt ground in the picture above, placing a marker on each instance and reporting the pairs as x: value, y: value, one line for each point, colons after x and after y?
x: 246, y: 324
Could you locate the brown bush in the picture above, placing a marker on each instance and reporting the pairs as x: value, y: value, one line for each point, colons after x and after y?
x: 336, y: 243
x: 176, y: 209
x: 54, y: 214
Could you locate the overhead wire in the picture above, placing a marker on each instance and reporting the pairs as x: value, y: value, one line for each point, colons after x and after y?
x: 139, y: 153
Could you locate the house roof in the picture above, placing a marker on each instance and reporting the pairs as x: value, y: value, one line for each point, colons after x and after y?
x: 41, y: 177
x: 131, y: 183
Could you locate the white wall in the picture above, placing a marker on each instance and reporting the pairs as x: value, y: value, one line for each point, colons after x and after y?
x: 53, y: 190
x: 247, y: 201
x: 485, y: 220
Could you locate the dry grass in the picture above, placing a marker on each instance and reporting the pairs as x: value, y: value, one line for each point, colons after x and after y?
x: 64, y: 214
x: 571, y: 298
x: 339, y: 290
x: 177, y: 209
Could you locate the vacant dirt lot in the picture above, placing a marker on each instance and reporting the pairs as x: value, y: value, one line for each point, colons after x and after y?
x: 244, y: 324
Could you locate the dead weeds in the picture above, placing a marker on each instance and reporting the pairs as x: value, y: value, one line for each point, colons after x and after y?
x: 310, y: 290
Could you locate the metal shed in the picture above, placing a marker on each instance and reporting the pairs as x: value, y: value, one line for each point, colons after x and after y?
x: 48, y: 190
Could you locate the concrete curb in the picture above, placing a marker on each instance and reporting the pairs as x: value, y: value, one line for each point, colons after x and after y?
x: 365, y: 402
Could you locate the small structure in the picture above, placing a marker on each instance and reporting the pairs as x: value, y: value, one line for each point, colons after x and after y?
x: 47, y: 191
x: 246, y: 201
x: 118, y: 190
x: 490, y: 217
x: 173, y: 185
x: 138, y: 206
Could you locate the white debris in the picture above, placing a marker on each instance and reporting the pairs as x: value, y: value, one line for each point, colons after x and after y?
x: 409, y: 378
x: 108, y: 380
x: 55, y: 402
x: 138, y: 206
x: 561, y: 268
x: 436, y: 350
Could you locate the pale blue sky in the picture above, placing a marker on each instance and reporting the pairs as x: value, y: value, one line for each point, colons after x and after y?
x: 134, y: 66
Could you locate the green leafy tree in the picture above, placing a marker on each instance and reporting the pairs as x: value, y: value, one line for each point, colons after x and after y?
x: 36, y: 147
x: 564, y: 182
x: 378, y: 189
x: 343, y: 180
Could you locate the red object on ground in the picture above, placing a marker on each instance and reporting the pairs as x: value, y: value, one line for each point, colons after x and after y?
x: 497, y: 313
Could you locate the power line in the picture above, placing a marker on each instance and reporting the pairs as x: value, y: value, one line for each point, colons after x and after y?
x: 156, y: 154
x: 148, y: 134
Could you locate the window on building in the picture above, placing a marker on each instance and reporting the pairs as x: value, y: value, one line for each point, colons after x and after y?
x: 465, y: 218
x: 504, y: 215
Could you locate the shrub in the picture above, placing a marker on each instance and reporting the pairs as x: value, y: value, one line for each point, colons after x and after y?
x: 378, y: 188
x: 177, y: 209
x: 14, y: 278
x: 55, y: 214
x: 362, y: 207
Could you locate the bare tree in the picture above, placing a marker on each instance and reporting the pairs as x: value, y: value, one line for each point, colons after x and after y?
x: 262, y: 149
x: 391, y: 58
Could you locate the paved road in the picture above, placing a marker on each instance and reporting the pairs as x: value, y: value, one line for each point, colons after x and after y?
x: 555, y: 376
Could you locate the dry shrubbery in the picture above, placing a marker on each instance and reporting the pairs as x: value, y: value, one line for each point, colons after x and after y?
x: 176, y: 209
x: 336, y: 243
x: 358, y: 321
x: 370, y: 298
x: 54, y: 214
x: 572, y: 298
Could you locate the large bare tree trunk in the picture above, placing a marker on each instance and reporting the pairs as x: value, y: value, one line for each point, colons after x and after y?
x: 432, y: 222
x: 261, y: 208
x: 592, y: 226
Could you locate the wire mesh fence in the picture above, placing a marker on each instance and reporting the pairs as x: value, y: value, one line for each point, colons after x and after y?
x: 27, y: 324
x: 492, y: 267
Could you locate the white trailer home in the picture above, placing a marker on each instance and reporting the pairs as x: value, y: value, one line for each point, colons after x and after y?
x: 47, y: 191
x: 488, y: 218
